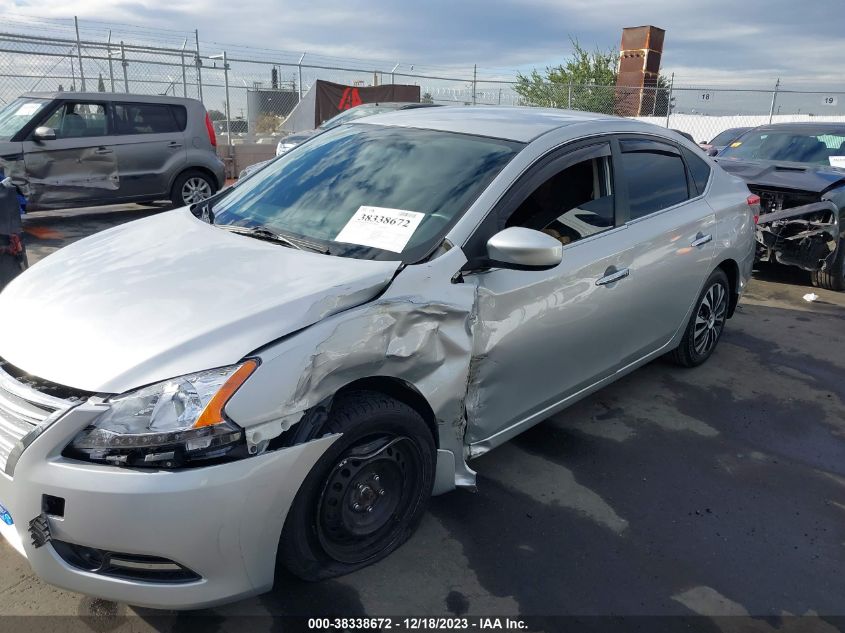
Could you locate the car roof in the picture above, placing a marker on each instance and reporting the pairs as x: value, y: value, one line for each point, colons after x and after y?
x: 522, y: 124
x: 108, y: 96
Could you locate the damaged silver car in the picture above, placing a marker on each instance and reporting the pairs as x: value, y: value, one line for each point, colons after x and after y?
x: 798, y: 171
x: 285, y: 373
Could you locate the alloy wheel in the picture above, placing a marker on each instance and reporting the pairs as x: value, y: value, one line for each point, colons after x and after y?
x: 710, y: 319
x: 195, y: 190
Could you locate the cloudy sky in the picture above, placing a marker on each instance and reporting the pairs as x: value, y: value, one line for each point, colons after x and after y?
x: 751, y: 42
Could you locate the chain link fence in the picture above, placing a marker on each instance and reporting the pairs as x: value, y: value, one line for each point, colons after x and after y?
x: 249, y: 91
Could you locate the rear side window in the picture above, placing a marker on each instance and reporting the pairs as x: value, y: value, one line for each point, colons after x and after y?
x: 656, y: 180
x: 698, y: 168
x: 181, y: 116
x: 144, y: 118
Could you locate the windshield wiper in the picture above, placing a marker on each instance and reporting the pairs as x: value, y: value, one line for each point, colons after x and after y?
x: 263, y: 233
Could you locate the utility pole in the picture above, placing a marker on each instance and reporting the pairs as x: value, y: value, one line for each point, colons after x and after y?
x: 79, y: 54
x: 774, y: 98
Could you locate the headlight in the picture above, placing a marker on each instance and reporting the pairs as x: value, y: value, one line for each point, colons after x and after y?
x: 169, y: 424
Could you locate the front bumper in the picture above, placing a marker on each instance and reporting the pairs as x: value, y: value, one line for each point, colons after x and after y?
x: 222, y: 522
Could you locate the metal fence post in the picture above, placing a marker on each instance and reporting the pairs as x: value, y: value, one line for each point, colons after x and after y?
x: 569, y: 97
x: 299, y: 65
x: 474, y: 78
x: 669, y: 99
x: 228, y: 113
x: 124, y: 63
x: 393, y: 74
x: 198, y: 61
x: 111, y: 66
x: 182, y: 64
x: 79, y: 53
x: 774, y: 98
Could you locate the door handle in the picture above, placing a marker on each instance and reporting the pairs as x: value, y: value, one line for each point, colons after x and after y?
x: 701, y: 240
x: 174, y: 145
x: 103, y: 150
x: 612, y: 277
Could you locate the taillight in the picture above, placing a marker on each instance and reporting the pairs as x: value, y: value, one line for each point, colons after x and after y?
x: 754, y: 202
x: 210, y: 129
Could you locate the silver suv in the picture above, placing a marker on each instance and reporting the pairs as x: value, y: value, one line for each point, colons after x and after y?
x: 72, y: 149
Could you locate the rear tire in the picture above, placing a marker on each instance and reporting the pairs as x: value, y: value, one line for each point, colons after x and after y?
x: 834, y: 277
x: 366, y: 494
x: 706, y: 322
x: 192, y: 186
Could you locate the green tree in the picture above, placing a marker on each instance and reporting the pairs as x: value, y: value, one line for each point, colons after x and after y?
x: 216, y: 115
x: 585, y: 81
x: 101, y: 85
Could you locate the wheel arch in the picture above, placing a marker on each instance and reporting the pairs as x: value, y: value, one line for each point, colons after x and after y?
x: 731, y: 269
x: 401, y: 390
x: 203, y: 170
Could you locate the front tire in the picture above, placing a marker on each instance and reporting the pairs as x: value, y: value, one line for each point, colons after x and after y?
x: 366, y: 494
x: 191, y: 187
x: 706, y: 322
x: 834, y: 277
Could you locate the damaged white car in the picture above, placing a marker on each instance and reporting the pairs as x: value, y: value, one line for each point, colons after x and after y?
x: 286, y: 372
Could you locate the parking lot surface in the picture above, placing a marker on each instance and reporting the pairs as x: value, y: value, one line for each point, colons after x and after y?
x: 718, y: 490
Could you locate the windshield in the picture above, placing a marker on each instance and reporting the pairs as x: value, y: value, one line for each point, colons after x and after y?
x: 355, y: 113
x: 369, y: 191
x: 816, y: 145
x: 17, y: 114
x: 723, y: 138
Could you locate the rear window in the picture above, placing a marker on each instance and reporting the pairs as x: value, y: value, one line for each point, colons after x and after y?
x: 699, y: 169
x: 144, y: 118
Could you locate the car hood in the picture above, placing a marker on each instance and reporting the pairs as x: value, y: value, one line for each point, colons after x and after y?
x: 166, y: 296
x: 784, y: 175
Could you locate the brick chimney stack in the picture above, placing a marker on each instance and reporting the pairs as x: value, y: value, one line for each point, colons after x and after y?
x: 639, y: 68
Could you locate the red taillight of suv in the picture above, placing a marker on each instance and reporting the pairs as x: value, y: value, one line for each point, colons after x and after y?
x: 754, y: 202
x: 210, y: 128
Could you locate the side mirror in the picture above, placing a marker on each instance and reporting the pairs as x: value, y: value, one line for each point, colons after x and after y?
x: 521, y: 248
x: 44, y: 133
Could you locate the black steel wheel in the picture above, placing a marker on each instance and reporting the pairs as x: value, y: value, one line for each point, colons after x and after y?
x: 706, y: 323
x: 367, y: 493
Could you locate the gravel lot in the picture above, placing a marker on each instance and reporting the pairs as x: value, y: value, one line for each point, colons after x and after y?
x: 714, y: 491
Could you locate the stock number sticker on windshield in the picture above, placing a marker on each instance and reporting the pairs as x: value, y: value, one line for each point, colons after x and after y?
x: 377, y: 227
x: 28, y: 109
x: 837, y: 161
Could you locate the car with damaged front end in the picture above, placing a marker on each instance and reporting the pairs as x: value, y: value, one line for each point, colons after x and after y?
x: 798, y: 172
x: 285, y: 373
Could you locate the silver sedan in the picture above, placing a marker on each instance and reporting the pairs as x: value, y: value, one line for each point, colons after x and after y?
x: 285, y: 374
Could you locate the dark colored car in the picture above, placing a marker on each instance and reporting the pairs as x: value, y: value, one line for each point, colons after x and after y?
x: 798, y: 171
x: 722, y: 140
x: 73, y: 149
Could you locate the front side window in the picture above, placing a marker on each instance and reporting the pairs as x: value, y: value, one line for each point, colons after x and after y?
x: 656, y: 180
x: 15, y: 115
x: 369, y: 191
x: 143, y: 118
x: 78, y: 120
x: 573, y: 204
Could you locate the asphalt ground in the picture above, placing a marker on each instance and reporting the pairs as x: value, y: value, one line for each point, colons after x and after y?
x: 716, y: 491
